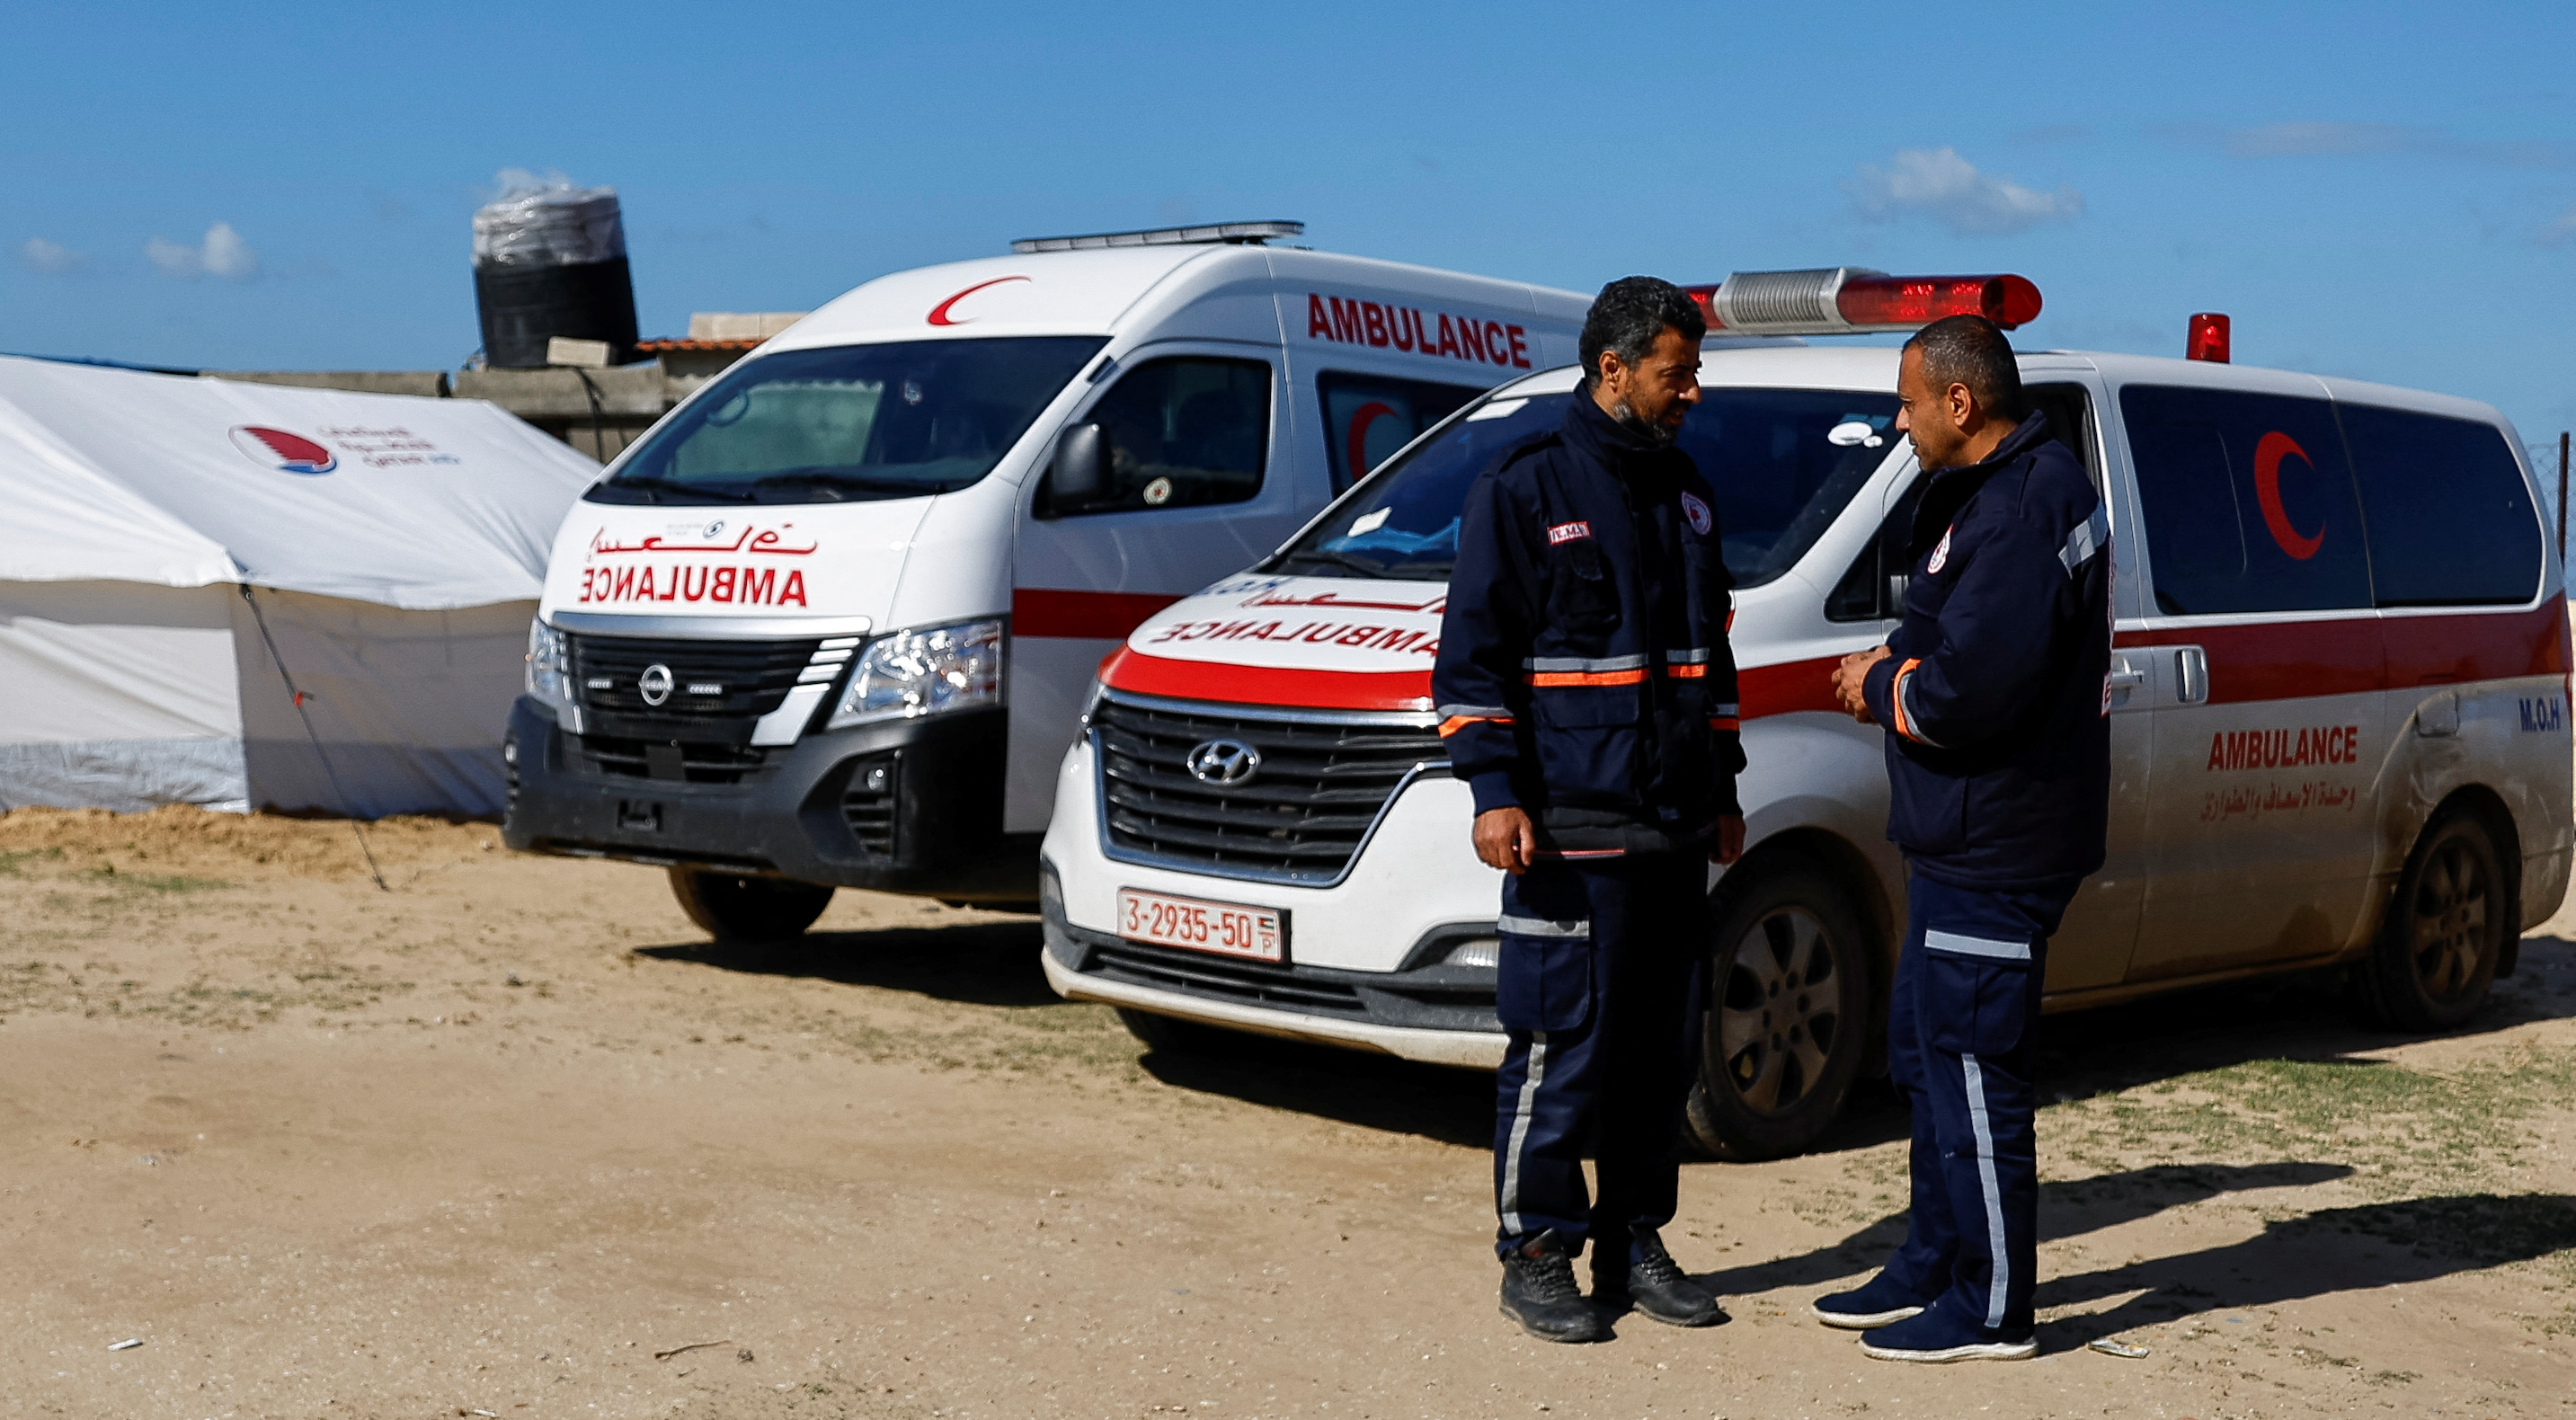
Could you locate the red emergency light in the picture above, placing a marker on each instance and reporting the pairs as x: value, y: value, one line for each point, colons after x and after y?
x: 1846, y: 300
x: 2208, y: 339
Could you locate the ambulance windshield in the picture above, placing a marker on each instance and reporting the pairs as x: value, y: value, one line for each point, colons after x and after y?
x: 1783, y: 461
x: 851, y: 423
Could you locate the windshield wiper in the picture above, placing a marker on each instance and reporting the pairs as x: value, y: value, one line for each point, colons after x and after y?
x: 647, y: 483
x: 827, y: 478
x: 1362, y: 566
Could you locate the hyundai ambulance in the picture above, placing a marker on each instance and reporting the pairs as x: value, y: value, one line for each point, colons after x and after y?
x: 830, y: 622
x: 2338, y: 700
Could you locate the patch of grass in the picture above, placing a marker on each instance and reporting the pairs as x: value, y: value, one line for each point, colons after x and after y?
x: 157, y: 883
x: 15, y: 859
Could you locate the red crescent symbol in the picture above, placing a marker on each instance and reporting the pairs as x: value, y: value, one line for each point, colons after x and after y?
x: 2267, y: 491
x: 939, y: 313
x: 1356, y: 463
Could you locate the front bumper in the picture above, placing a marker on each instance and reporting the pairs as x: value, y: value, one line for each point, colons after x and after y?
x: 1364, y: 954
x: 912, y: 806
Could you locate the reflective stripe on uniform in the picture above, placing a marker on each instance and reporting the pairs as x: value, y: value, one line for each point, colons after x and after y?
x: 1544, y: 680
x: 1454, y: 718
x: 1521, y: 1111
x: 1541, y: 927
x: 1686, y: 665
x: 1582, y: 665
x: 1968, y: 946
x: 1899, y: 695
x: 2089, y: 537
x: 2000, y: 1281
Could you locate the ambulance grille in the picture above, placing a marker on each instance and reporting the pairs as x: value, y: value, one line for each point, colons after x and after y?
x: 1300, y: 818
x: 711, y: 678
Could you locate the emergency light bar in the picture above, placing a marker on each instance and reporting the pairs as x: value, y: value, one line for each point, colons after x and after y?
x: 1237, y: 233
x: 1848, y: 300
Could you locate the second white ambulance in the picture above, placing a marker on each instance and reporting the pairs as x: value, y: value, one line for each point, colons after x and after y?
x: 2339, y: 702
x: 830, y: 621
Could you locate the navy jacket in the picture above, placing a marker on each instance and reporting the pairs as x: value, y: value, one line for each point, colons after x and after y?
x: 1996, y: 696
x: 1583, y: 671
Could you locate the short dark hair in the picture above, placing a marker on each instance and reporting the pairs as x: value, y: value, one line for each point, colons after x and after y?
x: 1630, y: 314
x: 1971, y: 351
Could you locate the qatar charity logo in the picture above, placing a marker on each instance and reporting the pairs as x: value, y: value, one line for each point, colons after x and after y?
x: 280, y: 450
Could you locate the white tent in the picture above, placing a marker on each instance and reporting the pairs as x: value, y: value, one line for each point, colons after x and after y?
x: 179, y: 552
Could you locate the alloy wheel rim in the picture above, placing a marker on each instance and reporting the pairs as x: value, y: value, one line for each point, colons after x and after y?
x: 1779, y: 1010
x: 2450, y: 921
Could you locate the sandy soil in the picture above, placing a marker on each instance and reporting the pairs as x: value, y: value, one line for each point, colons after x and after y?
x: 513, y: 1139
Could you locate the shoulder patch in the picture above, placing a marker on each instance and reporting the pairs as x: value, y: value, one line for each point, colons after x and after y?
x: 1941, y: 551
x: 1697, y: 512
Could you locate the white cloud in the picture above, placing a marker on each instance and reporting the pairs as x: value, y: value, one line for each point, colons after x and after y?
x: 2313, y: 139
x: 2320, y: 138
x: 223, y: 253
x: 2560, y: 232
x: 1938, y: 183
x: 51, y: 258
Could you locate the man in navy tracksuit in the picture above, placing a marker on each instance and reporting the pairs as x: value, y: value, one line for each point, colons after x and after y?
x: 1995, y: 697
x: 1587, y: 696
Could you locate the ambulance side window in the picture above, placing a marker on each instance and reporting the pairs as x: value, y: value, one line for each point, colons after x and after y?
x: 1874, y: 589
x: 2451, y: 521
x: 1369, y: 417
x: 1184, y: 432
x: 2248, y: 501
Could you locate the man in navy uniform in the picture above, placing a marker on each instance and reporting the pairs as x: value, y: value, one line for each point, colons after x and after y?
x: 1587, y: 696
x: 1994, y: 693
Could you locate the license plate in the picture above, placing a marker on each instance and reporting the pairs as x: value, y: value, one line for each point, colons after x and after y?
x: 1225, y: 928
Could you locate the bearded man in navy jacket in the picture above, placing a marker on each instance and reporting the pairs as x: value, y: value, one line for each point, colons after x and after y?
x: 1994, y: 693
x: 1587, y: 697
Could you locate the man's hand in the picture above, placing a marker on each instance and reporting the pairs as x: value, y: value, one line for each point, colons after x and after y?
x: 1851, y: 675
x: 1730, y: 841
x: 1505, y: 839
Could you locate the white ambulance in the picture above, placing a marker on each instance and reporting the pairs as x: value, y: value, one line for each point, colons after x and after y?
x: 2339, y: 704
x: 831, y: 620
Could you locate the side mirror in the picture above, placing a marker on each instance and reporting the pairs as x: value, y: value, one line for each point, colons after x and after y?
x: 1080, y: 475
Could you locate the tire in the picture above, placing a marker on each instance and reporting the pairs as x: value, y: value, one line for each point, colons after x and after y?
x: 733, y: 908
x: 2447, y: 928
x: 1172, y: 1036
x: 1789, y: 1012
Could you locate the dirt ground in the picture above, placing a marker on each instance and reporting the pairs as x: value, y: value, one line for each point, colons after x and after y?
x: 513, y: 1139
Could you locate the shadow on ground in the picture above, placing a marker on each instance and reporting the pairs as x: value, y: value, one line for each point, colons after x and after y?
x: 970, y: 963
x: 995, y: 964
x: 2331, y: 1250
x: 2067, y: 1208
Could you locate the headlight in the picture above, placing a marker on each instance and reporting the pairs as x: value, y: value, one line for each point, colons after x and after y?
x: 549, y: 676
x: 923, y: 673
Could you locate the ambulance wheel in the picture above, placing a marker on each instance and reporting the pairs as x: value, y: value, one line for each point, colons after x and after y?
x: 1170, y: 1036
x: 1788, y: 1012
x: 733, y: 908
x: 2447, y: 927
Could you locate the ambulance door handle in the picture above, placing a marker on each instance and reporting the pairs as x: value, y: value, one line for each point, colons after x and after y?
x: 2123, y: 681
x: 2191, y: 675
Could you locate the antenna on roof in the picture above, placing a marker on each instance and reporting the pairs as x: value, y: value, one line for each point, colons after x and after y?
x: 1232, y: 233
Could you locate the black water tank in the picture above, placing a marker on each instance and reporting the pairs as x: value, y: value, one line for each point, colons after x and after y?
x: 551, y: 261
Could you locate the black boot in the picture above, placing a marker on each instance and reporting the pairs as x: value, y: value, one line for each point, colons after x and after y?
x: 1648, y: 1277
x: 1539, y: 1292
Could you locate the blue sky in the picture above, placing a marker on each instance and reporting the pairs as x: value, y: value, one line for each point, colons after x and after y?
x: 2380, y: 191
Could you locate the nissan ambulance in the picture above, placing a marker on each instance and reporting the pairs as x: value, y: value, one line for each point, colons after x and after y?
x: 830, y: 622
x: 2338, y: 699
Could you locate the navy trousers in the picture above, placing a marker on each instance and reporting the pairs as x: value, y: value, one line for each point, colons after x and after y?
x: 1600, y: 991
x: 1958, y: 1039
